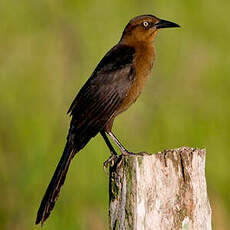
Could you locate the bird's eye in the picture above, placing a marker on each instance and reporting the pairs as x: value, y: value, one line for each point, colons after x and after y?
x: 145, y: 24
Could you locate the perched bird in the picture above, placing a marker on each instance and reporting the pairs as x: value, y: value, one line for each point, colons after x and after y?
x: 114, y: 85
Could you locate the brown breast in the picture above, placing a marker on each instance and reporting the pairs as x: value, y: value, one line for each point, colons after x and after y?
x: 143, y: 63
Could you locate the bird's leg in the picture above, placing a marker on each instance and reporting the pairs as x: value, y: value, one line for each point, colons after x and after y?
x: 113, y: 156
x: 124, y: 151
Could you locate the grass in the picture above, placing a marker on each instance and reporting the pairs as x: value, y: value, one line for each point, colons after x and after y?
x: 49, y: 49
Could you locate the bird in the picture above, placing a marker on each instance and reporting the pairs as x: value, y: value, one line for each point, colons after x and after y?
x: 112, y: 88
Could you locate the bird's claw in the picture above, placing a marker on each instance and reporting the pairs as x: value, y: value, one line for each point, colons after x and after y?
x: 116, y: 159
x: 127, y: 153
x: 110, y: 161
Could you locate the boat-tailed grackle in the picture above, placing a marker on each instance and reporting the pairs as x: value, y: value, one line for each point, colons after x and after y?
x: 114, y: 85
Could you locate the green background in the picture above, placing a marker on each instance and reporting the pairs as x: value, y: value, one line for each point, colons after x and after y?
x: 47, y: 51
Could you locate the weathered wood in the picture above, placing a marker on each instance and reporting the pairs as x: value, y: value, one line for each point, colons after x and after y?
x: 160, y: 191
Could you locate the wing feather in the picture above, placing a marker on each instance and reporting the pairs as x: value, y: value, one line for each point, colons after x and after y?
x: 102, y: 94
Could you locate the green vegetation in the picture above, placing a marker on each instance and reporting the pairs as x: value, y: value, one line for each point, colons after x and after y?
x: 49, y: 49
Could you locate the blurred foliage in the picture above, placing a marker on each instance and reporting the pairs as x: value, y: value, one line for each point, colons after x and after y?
x: 48, y: 50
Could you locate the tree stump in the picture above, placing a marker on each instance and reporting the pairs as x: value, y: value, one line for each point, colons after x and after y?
x: 160, y: 191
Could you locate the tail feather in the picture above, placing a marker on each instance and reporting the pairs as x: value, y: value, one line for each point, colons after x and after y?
x: 81, y: 138
x: 51, y: 195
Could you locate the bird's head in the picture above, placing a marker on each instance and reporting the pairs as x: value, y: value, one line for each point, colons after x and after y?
x: 144, y: 28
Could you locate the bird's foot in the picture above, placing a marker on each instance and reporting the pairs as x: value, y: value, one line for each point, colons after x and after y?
x: 127, y: 153
x: 117, y: 159
x: 110, y: 161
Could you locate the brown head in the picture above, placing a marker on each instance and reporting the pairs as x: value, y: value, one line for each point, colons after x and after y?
x: 144, y: 28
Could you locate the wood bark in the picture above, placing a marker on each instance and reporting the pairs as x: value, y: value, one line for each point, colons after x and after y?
x: 160, y: 191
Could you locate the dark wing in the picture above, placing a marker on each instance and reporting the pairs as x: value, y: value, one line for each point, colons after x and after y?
x: 101, y: 95
x: 96, y: 102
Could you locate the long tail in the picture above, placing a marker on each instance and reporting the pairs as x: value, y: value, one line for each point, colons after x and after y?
x: 51, y: 195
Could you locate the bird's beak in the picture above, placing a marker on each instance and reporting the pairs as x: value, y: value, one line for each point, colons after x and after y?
x: 165, y: 24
